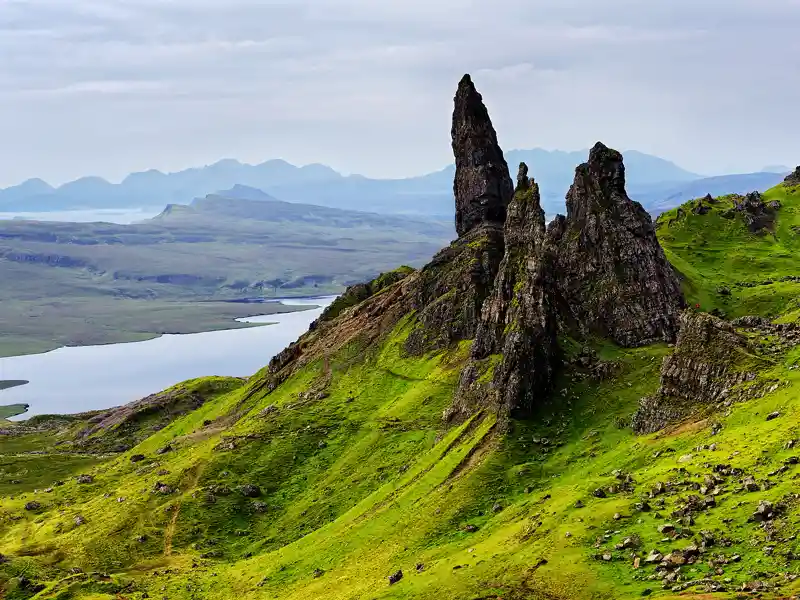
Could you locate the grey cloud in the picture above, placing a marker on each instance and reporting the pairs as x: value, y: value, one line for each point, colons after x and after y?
x: 366, y: 86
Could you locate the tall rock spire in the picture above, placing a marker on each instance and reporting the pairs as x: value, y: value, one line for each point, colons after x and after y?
x: 518, y: 320
x: 451, y: 288
x: 482, y: 186
x: 613, y: 278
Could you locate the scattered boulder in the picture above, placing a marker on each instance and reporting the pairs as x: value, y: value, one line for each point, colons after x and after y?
x: 164, y: 450
x: 765, y: 511
x: 162, y: 488
x: 85, y: 479
x: 32, y: 505
x: 773, y: 415
x: 79, y: 520
x: 250, y: 490
x: 395, y: 577
x: 137, y: 458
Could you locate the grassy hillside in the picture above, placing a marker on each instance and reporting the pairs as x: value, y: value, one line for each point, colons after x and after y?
x: 327, y: 483
x: 716, y: 253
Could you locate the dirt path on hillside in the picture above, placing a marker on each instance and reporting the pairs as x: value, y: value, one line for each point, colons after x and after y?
x: 194, y: 476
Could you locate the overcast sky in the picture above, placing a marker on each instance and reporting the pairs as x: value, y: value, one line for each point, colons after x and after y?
x: 111, y: 86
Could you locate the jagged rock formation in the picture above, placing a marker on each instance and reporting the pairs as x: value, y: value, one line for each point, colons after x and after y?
x: 509, y: 283
x: 612, y: 276
x: 482, y: 186
x: 518, y: 320
x: 708, y: 360
x: 454, y: 285
x: 451, y: 289
x: 756, y: 214
x: 793, y: 178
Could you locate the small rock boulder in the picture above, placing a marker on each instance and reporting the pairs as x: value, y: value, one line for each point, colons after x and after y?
x: 137, y: 458
x: 250, y: 490
x: 395, y: 577
x: 84, y: 479
x: 32, y: 505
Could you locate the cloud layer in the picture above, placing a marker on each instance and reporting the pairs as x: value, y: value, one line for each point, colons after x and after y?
x: 111, y: 86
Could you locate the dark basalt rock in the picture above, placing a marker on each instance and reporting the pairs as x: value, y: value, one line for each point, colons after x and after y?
x: 700, y: 371
x: 756, y: 214
x: 793, y: 178
x: 451, y: 289
x: 482, y: 186
x: 612, y: 276
x: 518, y: 319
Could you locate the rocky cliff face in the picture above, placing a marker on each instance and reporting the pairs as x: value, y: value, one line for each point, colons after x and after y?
x: 511, y: 284
x: 793, y: 178
x: 482, y: 186
x: 701, y: 371
x: 454, y: 285
x: 518, y: 320
x: 612, y: 276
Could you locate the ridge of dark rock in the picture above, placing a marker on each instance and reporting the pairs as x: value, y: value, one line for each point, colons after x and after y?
x: 518, y: 319
x: 482, y: 186
x: 793, y: 178
x: 613, y: 278
x: 700, y: 371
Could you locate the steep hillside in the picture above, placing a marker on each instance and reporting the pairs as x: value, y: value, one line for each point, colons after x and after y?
x: 533, y: 414
x: 738, y: 254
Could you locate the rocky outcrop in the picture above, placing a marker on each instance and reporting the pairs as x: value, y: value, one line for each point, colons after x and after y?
x: 453, y: 286
x: 451, y: 289
x: 518, y: 320
x: 482, y: 185
x: 757, y: 215
x: 706, y: 363
x: 612, y: 276
x: 793, y: 178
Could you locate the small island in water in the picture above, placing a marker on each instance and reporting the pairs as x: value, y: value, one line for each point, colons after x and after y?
x: 12, y: 410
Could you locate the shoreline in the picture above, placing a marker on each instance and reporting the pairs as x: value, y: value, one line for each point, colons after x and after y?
x: 232, y: 323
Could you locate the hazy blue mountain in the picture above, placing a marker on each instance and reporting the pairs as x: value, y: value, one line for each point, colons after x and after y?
x: 16, y: 195
x: 652, y: 180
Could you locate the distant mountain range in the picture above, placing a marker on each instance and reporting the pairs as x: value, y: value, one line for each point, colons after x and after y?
x: 657, y: 183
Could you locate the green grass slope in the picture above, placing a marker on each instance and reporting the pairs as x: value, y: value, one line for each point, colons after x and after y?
x: 344, y: 474
x: 716, y: 250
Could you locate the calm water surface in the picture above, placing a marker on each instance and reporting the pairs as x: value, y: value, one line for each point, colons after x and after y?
x: 70, y: 380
